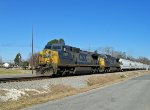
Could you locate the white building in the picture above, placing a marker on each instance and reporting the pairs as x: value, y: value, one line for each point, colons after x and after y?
x: 6, y: 65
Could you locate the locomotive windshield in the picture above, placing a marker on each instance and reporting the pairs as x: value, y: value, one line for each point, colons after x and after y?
x: 54, y: 47
x: 48, y: 47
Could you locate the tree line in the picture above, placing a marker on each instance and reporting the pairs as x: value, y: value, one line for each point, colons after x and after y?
x: 120, y: 54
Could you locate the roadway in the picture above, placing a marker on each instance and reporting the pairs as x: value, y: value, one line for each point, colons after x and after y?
x: 132, y: 94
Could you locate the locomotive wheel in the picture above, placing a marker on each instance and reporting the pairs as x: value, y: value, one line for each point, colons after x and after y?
x: 47, y: 72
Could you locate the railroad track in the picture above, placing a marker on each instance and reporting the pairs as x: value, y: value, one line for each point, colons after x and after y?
x: 19, y: 79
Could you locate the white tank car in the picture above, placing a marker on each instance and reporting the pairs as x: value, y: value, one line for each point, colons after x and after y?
x: 132, y: 65
x: 125, y: 64
x: 147, y: 67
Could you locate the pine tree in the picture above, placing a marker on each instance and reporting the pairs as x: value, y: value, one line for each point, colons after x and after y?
x: 17, y: 59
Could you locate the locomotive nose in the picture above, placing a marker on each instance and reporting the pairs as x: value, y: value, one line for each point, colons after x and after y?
x: 45, y: 56
x: 47, y: 53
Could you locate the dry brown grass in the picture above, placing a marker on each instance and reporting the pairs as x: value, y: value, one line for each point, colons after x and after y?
x: 60, y: 91
x: 101, y: 80
x: 3, y: 92
x: 55, y: 89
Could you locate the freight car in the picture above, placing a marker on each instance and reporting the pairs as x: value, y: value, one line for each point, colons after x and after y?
x: 132, y: 65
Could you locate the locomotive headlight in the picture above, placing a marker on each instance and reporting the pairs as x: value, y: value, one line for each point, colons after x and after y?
x: 47, y: 54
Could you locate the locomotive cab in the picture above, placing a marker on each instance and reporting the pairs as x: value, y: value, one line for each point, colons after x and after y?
x: 48, y: 60
x: 53, y: 58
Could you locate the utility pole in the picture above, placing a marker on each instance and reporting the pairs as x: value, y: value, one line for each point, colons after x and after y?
x: 1, y: 60
x: 32, y: 49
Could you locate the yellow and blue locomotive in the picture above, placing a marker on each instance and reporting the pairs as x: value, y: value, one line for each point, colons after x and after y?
x: 63, y: 59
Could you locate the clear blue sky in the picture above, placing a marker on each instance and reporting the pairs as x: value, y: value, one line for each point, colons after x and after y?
x: 122, y: 24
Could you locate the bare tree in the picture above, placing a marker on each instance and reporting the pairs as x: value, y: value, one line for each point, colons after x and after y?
x: 120, y: 54
x: 144, y: 60
x: 34, y: 58
x: 106, y: 50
